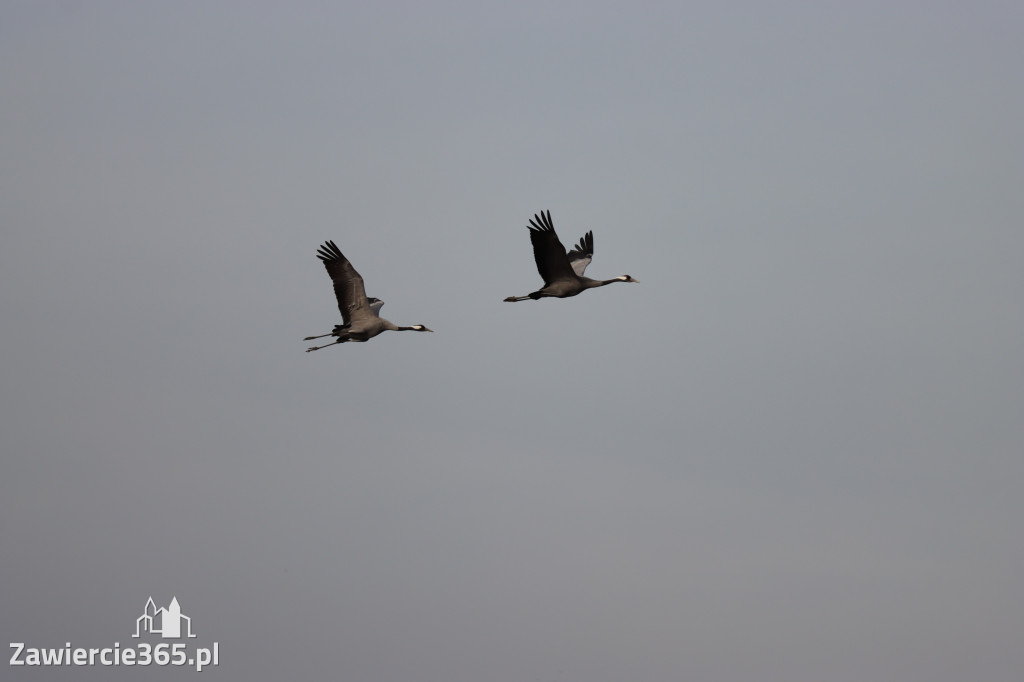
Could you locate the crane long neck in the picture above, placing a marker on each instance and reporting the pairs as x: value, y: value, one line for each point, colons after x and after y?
x: 391, y: 326
x: 591, y: 283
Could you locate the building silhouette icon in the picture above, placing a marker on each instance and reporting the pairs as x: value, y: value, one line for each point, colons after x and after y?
x: 165, y: 622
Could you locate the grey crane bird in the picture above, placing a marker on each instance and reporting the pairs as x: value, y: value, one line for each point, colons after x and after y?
x: 360, y: 316
x: 562, y: 272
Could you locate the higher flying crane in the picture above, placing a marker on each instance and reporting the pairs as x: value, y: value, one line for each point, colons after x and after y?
x: 562, y: 272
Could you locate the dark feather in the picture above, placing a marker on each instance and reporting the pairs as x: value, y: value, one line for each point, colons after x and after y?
x: 582, y: 254
x: 348, y: 284
x: 548, y: 252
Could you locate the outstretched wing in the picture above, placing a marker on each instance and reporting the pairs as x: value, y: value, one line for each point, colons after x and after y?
x: 582, y: 254
x: 375, y: 305
x: 348, y: 285
x: 548, y: 252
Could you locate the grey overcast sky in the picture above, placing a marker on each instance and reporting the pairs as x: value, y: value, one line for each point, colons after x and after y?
x: 792, y: 452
